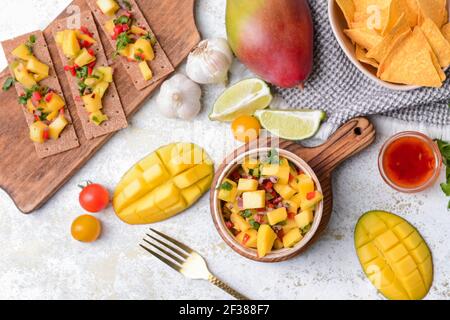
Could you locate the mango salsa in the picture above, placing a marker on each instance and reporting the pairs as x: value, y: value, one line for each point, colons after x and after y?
x: 163, y: 184
x: 271, y: 198
x: 394, y: 256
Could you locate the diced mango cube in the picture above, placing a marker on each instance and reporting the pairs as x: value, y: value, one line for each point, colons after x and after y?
x: 254, y: 199
x: 247, y: 185
x: 289, y: 225
x: 278, y: 244
x: 305, y: 185
x: 36, y: 66
x: 22, y: 52
x: 277, y: 216
x: 146, y: 72
x: 107, y: 73
x: 239, y: 222
x: 284, y: 190
x: 265, y: 240
x: 292, y: 238
x: 248, y: 238
x: 311, y: 201
x: 84, y: 58
x: 56, y: 127
x: 304, y: 218
x: 108, y: 7
x: 228, y: 191
x: 291, y: 206
x: 71, y: 47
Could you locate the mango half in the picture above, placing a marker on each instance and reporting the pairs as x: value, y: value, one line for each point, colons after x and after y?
x: 163, y: 184
x: 394, y: 256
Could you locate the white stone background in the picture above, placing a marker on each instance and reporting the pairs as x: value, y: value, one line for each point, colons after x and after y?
x: 40, y: 260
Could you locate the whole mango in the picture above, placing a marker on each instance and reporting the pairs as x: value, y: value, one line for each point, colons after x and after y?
x: 394, y: 256
x: 163, y: 184
x: 273, y: 38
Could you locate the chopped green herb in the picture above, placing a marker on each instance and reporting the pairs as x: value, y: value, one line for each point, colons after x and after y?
x: 122, y: 20
x: 274, y: 157
x: 81, y: 87
x: 30, y: 42
x: 255, y: 225
x: 247, y: 213
x: 43, y: 116
x: 226, y: 186
x: 82, y: 73
x: 8, y: 83
x: 123, y: 40
x: 138, y: 57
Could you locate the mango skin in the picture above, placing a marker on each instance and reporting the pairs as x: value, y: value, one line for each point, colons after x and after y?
x: 163, y: 184
x: 273, y: 38
x: 394, y: 256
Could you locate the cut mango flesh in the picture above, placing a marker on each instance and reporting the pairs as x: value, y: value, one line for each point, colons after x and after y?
x: 163, y: 184
x: 394, y: 256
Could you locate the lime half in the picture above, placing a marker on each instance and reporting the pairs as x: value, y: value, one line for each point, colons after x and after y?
x: 243, y: 98
x: 291, y: 124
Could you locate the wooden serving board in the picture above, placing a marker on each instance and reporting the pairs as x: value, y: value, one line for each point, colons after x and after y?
x: 347, y: 141
x: 31, y: 181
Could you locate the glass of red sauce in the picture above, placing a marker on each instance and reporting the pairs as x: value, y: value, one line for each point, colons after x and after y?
x: 410, y: 162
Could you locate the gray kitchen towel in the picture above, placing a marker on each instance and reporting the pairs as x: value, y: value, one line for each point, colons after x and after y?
x: 339, y: 88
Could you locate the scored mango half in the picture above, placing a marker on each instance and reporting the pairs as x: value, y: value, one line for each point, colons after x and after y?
x: 394, y: 256
x: 163, y: 184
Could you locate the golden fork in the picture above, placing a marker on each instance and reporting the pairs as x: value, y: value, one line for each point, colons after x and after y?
x: 185, y: 260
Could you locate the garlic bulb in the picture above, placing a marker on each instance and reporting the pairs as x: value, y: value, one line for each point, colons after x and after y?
x: 210, y: 61
x: 179, y: 97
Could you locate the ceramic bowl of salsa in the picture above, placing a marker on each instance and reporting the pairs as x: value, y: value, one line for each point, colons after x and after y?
x: 410, y: 162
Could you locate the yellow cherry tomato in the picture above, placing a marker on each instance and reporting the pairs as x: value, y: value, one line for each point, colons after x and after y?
x: 86, y: 228
x: 246, y: 128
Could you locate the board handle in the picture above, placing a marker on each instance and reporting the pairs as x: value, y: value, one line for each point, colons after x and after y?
x: 348, y: 140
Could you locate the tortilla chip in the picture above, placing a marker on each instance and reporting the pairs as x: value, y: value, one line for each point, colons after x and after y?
x: 398, y: 8
x: 437, y: 41
x: 348, y: 9
x: 411, y: 62
x: 436, y: 10
x: 398, y: 33
x: 361, y: 55
x: 446, y: 31
x: 364, y: 38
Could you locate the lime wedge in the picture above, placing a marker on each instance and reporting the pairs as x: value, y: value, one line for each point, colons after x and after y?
x: 291, y: 124
x: 244, y: 98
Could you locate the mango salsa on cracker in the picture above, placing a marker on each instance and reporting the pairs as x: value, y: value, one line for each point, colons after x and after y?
x: 405, y: 41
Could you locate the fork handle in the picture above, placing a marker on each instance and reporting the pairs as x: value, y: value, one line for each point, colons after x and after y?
x: 222, y: 285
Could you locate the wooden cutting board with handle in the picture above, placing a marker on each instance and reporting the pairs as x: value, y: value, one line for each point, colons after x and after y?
x: 31, y: 181
x: 348, y: 140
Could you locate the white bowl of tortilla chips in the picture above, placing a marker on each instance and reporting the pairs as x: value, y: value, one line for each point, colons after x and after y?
x: 400, y: 44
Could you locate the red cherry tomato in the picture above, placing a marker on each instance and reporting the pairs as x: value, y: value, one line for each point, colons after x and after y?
x: 94, y: 197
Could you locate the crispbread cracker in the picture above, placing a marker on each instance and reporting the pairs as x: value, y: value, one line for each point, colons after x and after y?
x: 112, y: 106
x: 161, y: 65
x: 68, y: 139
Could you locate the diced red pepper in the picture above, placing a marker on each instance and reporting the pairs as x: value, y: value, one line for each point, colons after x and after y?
x: 125, y: 27
x: 291, y: 215
x: 85, y: 44
x: 291, y: 177
x: 92, y: 64
x: 62, y: 111
x: 270, y: 205
x: 261, y: 209
x: 310, y: 195
x: 36, y: 96
x: 91, y: 52
x: 90, y: 69
x: 49, y: 97
x: 118, y: 29
x: 229, y: 224
x: 45, y: 135
x: 128, y: 14
x: 245, y: 239
x: 86, y: 31
x: 36, y: 118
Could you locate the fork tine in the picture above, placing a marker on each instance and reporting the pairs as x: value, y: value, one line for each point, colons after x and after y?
x: 178, y: 252
x: 170, y: 255
x: 166, y: 261
x: 177, y: 243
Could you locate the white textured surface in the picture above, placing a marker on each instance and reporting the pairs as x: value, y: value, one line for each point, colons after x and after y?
x: 40, y: 260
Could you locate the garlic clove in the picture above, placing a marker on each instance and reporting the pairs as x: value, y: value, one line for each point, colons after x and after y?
x: 179, y: 97
x: 210, y: 61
